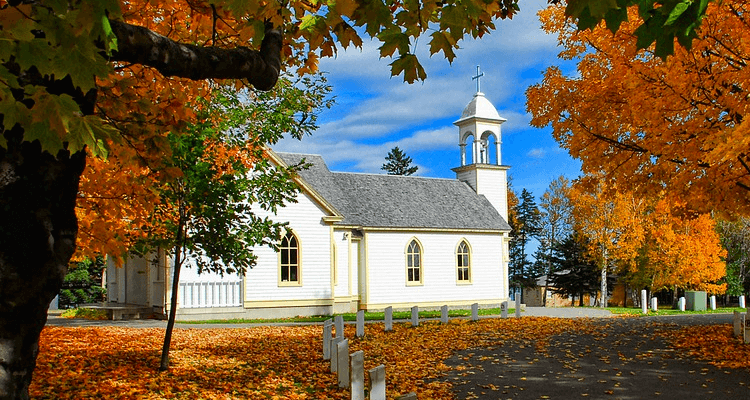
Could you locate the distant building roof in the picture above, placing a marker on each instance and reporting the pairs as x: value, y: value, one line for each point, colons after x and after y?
x: 392, y: 201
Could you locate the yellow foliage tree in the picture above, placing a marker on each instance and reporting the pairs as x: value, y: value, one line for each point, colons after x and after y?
x: 649, y: 124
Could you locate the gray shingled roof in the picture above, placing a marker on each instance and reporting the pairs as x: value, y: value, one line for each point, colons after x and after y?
x: 390, y: 201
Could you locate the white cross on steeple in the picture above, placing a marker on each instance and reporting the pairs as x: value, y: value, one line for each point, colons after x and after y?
x: 479, y: 75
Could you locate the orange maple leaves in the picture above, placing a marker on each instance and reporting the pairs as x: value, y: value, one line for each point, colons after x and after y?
x: 678, y: 124
x: 265, y: 362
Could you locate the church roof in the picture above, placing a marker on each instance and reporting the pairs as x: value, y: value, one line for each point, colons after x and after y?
x: 391, y: 201
x: 480, y: 107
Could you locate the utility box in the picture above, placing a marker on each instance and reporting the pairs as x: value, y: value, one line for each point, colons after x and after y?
x: 696, y: 301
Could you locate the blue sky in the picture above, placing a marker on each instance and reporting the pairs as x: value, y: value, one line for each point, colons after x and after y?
x: 374, y: 112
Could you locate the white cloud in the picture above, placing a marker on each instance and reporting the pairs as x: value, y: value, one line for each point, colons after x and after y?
x: 537, y: 153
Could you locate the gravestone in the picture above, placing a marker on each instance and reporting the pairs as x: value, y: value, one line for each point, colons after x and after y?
x: 342, y: 353
x: 377, y: 383
x: 388, y: 319
x: 681, y: 303
x: 644, y: 306
x: 696, y: 300
x: 327, y: 335
x: 712, y: 299
x: 334, y: 353
x: 742, y: 301
x: 737, y: 324
x: 504, y: 309
x: 654, y: 304
x: 444, y: 314
x: 415, y: 316
x: 358, y: 375
x: 518, y: 305
x: 339, y: 326
x: 475, y: 312
x: 360, y: 323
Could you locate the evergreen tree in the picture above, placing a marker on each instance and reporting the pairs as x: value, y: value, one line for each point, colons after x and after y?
x: 398, y: 163
x: 575, y: 274
x: 525, y: 225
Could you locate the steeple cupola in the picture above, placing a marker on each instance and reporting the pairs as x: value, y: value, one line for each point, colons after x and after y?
x: 478, y: 128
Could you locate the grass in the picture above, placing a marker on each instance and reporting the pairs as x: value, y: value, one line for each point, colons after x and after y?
x: 369, y: 316
x: 672, y: 311
x: 85, y: 313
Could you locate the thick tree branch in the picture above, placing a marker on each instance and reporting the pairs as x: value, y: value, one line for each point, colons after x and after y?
x: 139, y: 45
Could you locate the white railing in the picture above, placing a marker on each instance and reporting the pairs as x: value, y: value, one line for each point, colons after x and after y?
x: 210, y: 294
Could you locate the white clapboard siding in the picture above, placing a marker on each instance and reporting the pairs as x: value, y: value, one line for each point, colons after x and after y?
x: 220, y: 293
x: 305, y: 219
x: 341, y: 238
x: 387, y: 268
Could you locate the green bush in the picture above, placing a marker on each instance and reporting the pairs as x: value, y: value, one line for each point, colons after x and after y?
x: 83, y: 284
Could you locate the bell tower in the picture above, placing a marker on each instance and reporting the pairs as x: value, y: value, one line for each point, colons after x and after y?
x: 479, y: 129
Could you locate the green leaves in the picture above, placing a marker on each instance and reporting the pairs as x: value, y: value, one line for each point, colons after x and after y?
x: 408, y: 65
x: 55, y: 40
x: 663, y: 20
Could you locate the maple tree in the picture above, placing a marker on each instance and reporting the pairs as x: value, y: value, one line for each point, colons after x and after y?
x: 610, y: 221
x: 113, y: 78
x: 663, y: 21
x: 678, y: 251
x: 677, y: 125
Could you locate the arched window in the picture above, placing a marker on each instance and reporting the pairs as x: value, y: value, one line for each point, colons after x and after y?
x: 414, y: 263
x: 289, y: 260
x: 463, y: 262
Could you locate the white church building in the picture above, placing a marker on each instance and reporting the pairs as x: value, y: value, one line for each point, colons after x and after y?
x: 361, y: 241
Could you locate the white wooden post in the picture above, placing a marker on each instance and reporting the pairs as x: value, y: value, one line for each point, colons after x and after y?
x: 358, y: 375
x: 334, y: 353
x: 444, y: 314
x: 388, y: 319
x: 713, y: 302
x: 742, y: 301
x: 518, y: 305
x: 327, y: 334
x: 377, y: 383
x: 504, y: 309
x: 654, y: 304
x: 681, y: 303
x: 342, y: 353
x: 737, y: 324
x: 360, y: 323
x: 415, y: 316
x: 339, y: 326
x: 644, y: 305
x: 475, y: 312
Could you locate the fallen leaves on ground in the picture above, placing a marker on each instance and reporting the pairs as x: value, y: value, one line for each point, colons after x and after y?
x: 714, y: 344
x: 287, y: 363
x: 260, y: 363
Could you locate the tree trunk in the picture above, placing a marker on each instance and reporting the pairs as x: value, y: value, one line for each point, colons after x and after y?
x: 178, y: 250
x: 603, y: 288
x: 38, y: 228
x: 172, y: 312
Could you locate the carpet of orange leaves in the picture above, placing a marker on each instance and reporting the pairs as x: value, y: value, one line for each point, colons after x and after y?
x: 286, y: 362
x: 714, y: 344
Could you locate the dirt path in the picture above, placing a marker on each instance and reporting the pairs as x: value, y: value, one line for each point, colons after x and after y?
x: 623, y: 361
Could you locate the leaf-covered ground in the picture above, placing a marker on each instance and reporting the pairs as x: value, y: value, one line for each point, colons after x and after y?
x: 286, y: 362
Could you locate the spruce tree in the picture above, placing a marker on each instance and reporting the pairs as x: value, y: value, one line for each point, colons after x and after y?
x: 525, y: 225
x: 398, y: 163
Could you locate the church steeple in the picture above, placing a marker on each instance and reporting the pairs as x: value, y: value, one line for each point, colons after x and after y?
x: 478, y: 126
x: 480, y: 122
